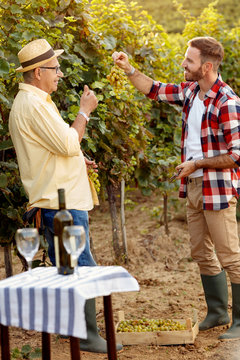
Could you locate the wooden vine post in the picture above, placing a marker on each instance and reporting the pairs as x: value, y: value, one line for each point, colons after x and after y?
x: 115, y: 227
x: 123, y: 227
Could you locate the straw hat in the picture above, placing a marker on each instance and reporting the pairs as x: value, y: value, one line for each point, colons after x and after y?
x: 35, y: 54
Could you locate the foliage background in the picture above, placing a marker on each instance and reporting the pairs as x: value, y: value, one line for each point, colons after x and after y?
x: 164, y: 12
x: 130, y: 137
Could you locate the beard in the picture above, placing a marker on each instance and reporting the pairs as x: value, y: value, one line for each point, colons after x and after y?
x: 193, y: 76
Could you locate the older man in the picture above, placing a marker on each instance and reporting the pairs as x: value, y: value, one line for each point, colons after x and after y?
x: 211, y: 178
x: 50, y: 157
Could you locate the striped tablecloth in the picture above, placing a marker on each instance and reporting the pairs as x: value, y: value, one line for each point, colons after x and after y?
x: 54, y: 303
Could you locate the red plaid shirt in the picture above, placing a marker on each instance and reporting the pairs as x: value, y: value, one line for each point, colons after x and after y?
x: 220, y: 134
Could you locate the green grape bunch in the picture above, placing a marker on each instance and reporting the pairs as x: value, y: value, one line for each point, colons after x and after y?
x: 144, y: 325
x: 117, y: 78
x: 94, y: 178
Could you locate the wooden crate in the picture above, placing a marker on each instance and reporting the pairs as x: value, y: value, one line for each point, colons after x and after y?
x: 177, y: 337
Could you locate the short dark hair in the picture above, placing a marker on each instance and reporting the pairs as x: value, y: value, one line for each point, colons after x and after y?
x: 210, y: 49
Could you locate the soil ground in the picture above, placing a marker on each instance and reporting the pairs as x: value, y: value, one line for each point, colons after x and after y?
x: 170, y: 285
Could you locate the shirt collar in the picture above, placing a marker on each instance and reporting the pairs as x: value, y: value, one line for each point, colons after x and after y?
x: 33, y: 89
x: 214, y: 89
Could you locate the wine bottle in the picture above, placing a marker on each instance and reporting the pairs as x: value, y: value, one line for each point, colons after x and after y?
x: 62, y: 218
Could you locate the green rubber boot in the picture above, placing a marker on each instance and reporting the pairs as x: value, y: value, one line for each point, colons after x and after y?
x: 94, y: 342
x: 234, y: 331
x: 216, y: 295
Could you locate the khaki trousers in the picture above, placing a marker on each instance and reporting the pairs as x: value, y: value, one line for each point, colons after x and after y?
x: 213, y: 235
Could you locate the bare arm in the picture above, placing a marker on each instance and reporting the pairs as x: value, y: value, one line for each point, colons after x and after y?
x: 141, y: 82
x: 217, y: 162
x: 88, y: 103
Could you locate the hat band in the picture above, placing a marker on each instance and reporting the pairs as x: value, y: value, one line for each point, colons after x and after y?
x: 45, y: 56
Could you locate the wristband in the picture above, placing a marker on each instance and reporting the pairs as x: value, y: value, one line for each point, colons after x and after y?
x: 131, y: 72
x: 84, y: 115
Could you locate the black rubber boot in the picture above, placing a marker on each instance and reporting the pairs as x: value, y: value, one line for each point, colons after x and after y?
x: 94, y: 342
x: 216, y: 295
x: 234, y: 331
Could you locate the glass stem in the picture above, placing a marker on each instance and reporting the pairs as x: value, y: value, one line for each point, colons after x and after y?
x: 76, y: 267
x: 30, y: 267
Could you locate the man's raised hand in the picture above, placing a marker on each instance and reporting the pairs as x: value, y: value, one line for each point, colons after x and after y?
x: 121, y: 60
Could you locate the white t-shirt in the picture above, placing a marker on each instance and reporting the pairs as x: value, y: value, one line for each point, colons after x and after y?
x: 194, y: 147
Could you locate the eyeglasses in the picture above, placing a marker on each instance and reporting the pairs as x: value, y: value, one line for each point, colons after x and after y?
x: 57, y: 68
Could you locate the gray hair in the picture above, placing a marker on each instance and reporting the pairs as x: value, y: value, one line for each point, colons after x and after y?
x: 28, y: 76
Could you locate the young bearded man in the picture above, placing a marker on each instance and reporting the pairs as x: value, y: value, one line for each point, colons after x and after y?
x: 211, y: 179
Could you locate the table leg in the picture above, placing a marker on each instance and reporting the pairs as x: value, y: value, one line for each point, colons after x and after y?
x: 110, y: 331
x: 75, y: 348
x: 46, y: 346
x: 5, y: 348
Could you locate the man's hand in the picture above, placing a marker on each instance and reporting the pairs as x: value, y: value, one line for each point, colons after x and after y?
x: 141, y: 82
x: 91, y: 164
x: 121, y: 60
x: 88, y: 101
x: 185, y: 169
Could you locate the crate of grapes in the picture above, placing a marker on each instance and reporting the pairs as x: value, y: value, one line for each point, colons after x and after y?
x: 155, y: 331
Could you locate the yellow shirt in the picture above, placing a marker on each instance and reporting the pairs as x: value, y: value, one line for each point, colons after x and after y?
x: 48, y: 152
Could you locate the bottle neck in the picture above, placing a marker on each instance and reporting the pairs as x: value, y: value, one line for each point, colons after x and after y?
x: 61, y: 199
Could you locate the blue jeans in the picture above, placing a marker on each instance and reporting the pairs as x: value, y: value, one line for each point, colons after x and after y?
x: 79, y: 218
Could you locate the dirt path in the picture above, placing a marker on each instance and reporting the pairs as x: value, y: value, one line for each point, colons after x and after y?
x: 169, y: 282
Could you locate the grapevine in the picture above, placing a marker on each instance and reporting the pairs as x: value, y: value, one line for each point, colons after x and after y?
x: 144, y: 325
x: 94, y: 178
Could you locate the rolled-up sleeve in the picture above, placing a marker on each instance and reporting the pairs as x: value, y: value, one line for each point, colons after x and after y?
x: 168, y: 93
x: 230, y: 120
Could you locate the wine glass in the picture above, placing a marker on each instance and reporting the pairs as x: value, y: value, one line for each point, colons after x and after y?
x: 74, y: 240
x: 27, y: 241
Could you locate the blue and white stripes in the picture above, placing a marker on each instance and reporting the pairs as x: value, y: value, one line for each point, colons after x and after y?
x: 55, y: 303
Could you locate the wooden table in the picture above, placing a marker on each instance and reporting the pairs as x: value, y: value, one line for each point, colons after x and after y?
x: 54, y: 303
